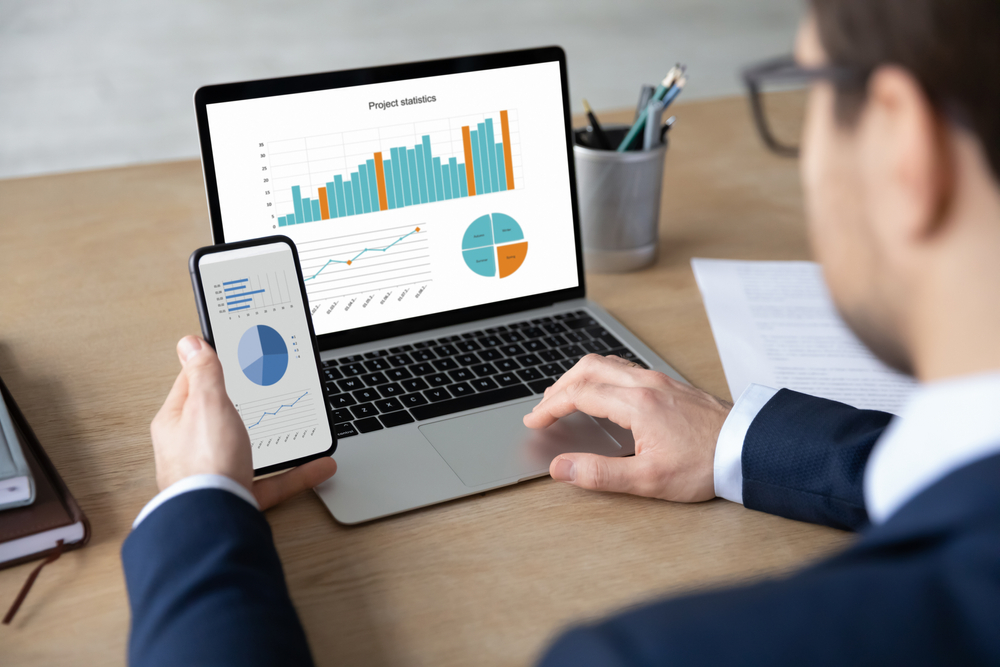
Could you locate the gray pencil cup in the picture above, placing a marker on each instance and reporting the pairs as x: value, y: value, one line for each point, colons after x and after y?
x: 619, y: 195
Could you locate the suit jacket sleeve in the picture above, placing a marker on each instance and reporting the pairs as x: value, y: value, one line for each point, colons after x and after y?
x: 206, y: 587
x: 804, y: 458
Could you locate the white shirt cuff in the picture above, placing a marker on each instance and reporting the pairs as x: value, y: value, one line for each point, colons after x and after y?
x: 195, y: 483
x: 729, y: 449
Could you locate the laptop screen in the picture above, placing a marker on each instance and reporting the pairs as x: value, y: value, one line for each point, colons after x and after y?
x: 406, y: 198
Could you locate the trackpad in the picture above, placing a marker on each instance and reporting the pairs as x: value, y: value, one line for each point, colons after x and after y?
x: 495, y: 445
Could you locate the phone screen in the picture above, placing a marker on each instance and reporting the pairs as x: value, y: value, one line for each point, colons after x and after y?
x: 260, y: 332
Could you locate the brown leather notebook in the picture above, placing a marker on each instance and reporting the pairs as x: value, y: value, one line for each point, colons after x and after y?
x: 33, y: 532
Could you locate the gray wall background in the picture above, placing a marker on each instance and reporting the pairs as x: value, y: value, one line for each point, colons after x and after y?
x: 97, y: 83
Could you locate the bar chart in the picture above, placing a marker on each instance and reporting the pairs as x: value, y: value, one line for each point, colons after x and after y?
x: 252, y: 292
x: 369, y: 171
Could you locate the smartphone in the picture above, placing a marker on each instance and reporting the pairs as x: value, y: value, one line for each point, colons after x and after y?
x: 252, y: 304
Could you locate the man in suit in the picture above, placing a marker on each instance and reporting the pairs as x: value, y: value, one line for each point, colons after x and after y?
x: 901, y: 167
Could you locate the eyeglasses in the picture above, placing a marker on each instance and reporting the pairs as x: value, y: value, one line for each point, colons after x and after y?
x: 778, y: 91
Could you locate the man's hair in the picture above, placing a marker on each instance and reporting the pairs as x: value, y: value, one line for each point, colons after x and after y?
x: 951, y: 47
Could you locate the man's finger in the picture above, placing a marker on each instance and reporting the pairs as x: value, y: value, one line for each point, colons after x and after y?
x: 273, y: 490
x: 201, y: 365
x: 174, y: 404
x: 602, y: 473
x: 595, y: 368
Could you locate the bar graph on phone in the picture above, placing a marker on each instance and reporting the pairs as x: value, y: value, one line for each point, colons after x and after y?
x: 360, y: 172
x: 252, y: 292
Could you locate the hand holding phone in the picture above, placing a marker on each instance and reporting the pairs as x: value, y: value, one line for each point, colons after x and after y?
x: 253, y: 310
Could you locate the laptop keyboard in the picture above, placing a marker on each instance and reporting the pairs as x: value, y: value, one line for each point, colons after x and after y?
x: 442, y: 376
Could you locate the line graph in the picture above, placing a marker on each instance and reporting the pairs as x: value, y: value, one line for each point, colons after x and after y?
x: 363, y: 263
x: 278, y: 418
x: 351, y: 261
x: 284, y: 405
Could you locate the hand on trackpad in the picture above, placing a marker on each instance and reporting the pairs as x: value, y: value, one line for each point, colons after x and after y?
x: 495, y: 445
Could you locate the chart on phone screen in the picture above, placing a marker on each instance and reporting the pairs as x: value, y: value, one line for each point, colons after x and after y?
x: 378, y: 185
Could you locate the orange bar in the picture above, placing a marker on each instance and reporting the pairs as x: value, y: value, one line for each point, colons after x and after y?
x: 380, y: 179
x: 469, y: 174
x: 507, y: 159
x: 324, y: 207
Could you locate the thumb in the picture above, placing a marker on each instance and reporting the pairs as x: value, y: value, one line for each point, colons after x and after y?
x: 201, y: 365
x: 597, y: 473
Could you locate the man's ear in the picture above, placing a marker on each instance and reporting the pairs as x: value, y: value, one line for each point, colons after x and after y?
x: 905, y: 159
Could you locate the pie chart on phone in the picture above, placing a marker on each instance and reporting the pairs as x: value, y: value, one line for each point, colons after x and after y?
x: 263, y: 355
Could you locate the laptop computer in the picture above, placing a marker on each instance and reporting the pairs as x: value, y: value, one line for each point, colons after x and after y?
x: 434, y: 209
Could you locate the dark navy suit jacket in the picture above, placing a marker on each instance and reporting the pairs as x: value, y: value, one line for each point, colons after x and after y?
x: 206, y: 585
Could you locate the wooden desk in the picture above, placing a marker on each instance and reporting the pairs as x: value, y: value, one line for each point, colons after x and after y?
x: 96, y: 293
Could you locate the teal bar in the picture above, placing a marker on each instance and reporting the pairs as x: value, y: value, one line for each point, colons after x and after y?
x: 421, y: 173
x: 432, y: 193
x: 484, y: 159
x: 438, y: 186
x: 339, y: 186
x: 372, y: 184
x: 366, y: 200
x: 404, y: 174
x: 307, y: 210
x: 477, y: 167
x: 317, y: 212
x: 446, y: 178
x: 397, y: 178
x: 281, y: 221
x: 349, y: 198
x: 501, y: 173
x: 463, y: 180
x: 411, y: 163
x: 491, y: 149
x: 390, y: 189
x: 297, y: 203
x: 331, y: 199
x: 453, y: 170
x: 356, y: 189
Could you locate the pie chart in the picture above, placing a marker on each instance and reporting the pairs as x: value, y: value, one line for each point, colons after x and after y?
x: 494, y: 245
x: 263, y: 355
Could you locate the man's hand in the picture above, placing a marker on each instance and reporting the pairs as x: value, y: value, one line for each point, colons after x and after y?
x: 675, y: 427
x: 198, y: 431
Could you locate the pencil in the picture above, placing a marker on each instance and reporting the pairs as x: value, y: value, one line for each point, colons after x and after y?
x: 602, y: 139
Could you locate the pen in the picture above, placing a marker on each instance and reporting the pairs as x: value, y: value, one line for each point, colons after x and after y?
x: 645, y: 96
x: 666, y: 127
x: 602, y: 139
x: 674, y: 79
x: 654, y: 114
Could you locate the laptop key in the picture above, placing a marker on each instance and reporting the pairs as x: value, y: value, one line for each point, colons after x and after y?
x: 511, y: 337
x: 484, y: 369
x: 376, y: 353
x: 490, y: 355
x: 483, y: 384
x: 437, y: 379
x: 575, y: 336
x: 373, y: 379
x: 539, y: 386
x: 528, y: 374
x: 377, y: 364
x: 507, y: 365
x: 332, y: 374
x: 490, y: 341
x: 550, y: 355
x: 350, y: 359
x: 351, y: 384
x: 446, y: 350
x: 413, y: 400
x: 423, y: 355
x: 350, y: 370
x: 529, y: 360
x: 533, y: 345
x: 396, y: 419
x: 573, y: 351
x: 605, y: 337
x: 568, y: 363
x: 345, y: 430
x: 365, y: 395
x: 460, y: 389
x: 467, y: 359
x: 391, y: 389
x: 416, y: 384
x: 595, y: 346
x: 506, y: 379
x: 446, y: 364
x: 470, y: 402
x: 468, y: 346
x: 422, y: 369
x: 342, y: 415
x: 554, y: 370
x: 397, y: 374
x: 364, y: 410
x: 556, y: 341
x: 400, y: 349
x: 512, y: 350
x: 400, y: 360
x: 368, y: 425
x: 437, y: 394
x: 328, y: 363
x: 554, y: 328
x: 388, y: 405
x: 533, y: 332
x: 461, y: 375
x: 341, y: 401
